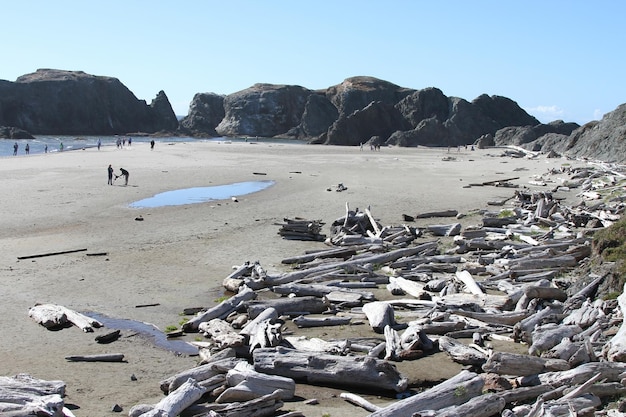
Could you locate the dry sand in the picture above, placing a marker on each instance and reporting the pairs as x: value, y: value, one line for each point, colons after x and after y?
x: 178, y: 256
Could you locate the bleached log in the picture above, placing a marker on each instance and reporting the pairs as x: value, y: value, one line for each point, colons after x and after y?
x: 246, y: 384
x: 249, y: 328
x: 415, y: 289
x: 307, y: 321
x: 442, y: 213
x: 523, y: 330
x: 295, y: 305
x: 265, y: 406
x: 317, y: 290
x: 176, y: 402
x: 362, y: 371
x: 199, y: 373
x: 507, y: 318
x: 221, y: 310
x: 609, y: 370
x: 25, y: 383
x: 513, y: 364
x: 45, y: 405
x: 454, y: 391
x: 480, y: 406
x: 616, y: 348
x: 546, y: 336
x: 470, y: 284
x: 379, y: 315
x: 314, y: 344
x: 53, y: 316
x: 393, y: 344
x: 267, y: 333
x: 460, y: 352
x: 222, y: 333
x: 359, y: 401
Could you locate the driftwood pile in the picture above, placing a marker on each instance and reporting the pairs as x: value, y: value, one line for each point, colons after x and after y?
x: 302, y: 229
x: 500, y: 282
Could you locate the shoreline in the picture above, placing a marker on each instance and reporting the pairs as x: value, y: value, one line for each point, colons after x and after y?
x: 178, y: 256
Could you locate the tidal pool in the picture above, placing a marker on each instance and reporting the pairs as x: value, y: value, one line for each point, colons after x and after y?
x: 201, y: 194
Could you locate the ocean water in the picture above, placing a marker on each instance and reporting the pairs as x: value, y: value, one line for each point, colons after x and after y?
x: 72, y: 143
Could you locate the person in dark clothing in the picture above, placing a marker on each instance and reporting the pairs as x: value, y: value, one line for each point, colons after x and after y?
x: 124, y: 174
x: 152, y: 144
x: 110, y: 171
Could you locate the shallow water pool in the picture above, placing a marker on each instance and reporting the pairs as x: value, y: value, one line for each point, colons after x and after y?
x: 202, y: 194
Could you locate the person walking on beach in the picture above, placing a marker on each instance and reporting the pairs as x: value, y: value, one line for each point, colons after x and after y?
x: 27, y: 149
x: 152, y: 144
x: 100, y: 144
x: 61, y: 147
x: 15, y: 146
x: 45, y: 148
x: 110, y: 171
x: 124, y: 174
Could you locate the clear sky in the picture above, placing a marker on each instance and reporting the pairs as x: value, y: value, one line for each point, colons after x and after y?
x: 558, y: 59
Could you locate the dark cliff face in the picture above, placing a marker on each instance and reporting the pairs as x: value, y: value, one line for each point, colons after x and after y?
x: 75, y: 103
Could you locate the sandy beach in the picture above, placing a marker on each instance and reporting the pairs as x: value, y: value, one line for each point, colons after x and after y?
x: 178, y: 256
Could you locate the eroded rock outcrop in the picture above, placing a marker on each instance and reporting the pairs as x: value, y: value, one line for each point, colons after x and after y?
x: 206, y: 111
x: 59, y: 102
x: 263, y: 110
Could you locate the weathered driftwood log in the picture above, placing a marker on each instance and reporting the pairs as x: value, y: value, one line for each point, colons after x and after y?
x: 54, y: 316
x: 415, y: 289
x: 327, y: 369
x: 608, y: 370
x: 470, y: 284
x: 108, y: 337
x: 546, y: 336
x: 460, y: 352
x: 453, y: 229
x: 267, y: 333
x: 222, y: 333
x: 318, y: 290
x: 265, y: 406
x: 441, y: 213
x: 574, y: 353
x: 105, y: 357
x: 393, y: 344
x: 22, y: 383
x: 176, y: 402
x: 221, y: 310
x: 513, y: 364
x: 288, y: 306
x: 455, y: 391
x: 314, y: 344
x: 507, y: 318
x: 246, y: 384
x: 307, y: 321
x: 343, y: 252
x: 360, y: 401
x: 545, y: 293
x: 480, y: 406
x: 45, y: 405
x: 616, y: 348
x: 379, y: 315
x: 523, y: 329
x: 199, y: 373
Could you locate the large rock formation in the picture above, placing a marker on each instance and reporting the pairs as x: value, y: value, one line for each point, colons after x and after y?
x: 75, y: 103
x: 206, y: 111
x: 263, y: 110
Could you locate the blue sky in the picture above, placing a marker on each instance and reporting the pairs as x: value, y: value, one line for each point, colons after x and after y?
x: 557, y: 59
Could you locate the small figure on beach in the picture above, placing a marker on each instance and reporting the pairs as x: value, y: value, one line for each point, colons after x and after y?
x: 152, y: 144
x: 124, y: 174
x: 130, y: 141
x: 27, y: 149
x: 15, y: 146
x: 100, y: 144
x: 110, y: 172
x: 45, y: 148
x: 61, y: 147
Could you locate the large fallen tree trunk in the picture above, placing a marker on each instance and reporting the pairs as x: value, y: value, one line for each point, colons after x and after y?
x: 519, y: 365
x: 317, y: 368
x: 176, y: 402
x: 455, y: 391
